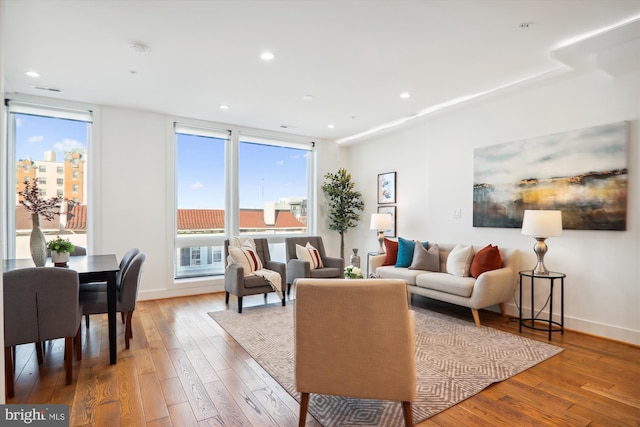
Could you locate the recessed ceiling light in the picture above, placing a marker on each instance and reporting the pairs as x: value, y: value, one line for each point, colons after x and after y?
x: 331, y: 126
x: 405, y: 95
x: 307, y: 97
x: 267, y: 56
x: 224, y: 107
x: 32, y: 74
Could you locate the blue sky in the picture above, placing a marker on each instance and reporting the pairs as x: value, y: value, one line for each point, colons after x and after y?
x: 267, y: 173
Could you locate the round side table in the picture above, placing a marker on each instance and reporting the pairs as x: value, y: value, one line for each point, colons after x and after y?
x: 530, y: 322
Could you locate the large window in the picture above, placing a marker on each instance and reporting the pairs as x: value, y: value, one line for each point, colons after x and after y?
x: 42, y: 143
x: 234, y: 184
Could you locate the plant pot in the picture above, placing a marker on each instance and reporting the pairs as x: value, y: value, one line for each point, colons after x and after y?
x: 60, y: 258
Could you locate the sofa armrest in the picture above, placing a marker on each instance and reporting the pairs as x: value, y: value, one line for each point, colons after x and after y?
x: 296, y: 269
x: 376, y: 261
x: 493, y: 287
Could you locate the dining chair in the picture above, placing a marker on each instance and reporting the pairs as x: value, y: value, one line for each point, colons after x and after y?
x: 354, y: 338
x: 40, y: 304
x: 102, y: 286
x: 127, y: 295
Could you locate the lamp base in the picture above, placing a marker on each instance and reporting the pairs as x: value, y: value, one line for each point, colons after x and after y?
x: 540, y: 248
x: 381, y: 241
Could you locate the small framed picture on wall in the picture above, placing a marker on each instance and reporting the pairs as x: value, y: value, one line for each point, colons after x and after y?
x: 386, y: 188
x: 391, y: 210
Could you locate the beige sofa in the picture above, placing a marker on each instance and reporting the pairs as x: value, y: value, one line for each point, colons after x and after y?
x: 490, y: 288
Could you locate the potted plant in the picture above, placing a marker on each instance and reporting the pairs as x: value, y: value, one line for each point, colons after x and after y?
x: 345, y: 203
x: 60, y: 250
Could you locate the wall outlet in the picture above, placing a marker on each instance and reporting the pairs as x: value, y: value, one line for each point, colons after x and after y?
x: 456, y: 213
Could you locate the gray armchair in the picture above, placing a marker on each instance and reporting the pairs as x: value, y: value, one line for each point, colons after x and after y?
x: 296, y: 269
x: 96, y: 302
x: 236, y: 283
x: 40, y: 304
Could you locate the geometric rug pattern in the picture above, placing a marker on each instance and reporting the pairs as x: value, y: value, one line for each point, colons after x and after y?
x: 454, y: 360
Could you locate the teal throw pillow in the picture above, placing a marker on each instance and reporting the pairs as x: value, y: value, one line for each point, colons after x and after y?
x: 405, y: 252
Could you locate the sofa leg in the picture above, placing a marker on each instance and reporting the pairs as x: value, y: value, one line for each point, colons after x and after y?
x: 239, y: 304
x: 284, y: 301
x: 476, y: 316
x: 503, y: 310
x: 226, y: 298
x: 288, y: 288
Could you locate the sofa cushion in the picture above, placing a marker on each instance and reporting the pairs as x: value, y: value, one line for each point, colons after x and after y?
x: 310, y: 254
x: 443, y: 282
x: 459, y: 260
x: 425, y: 259
x: 405, y: 251
x: 391, y: 248
x: 487, y: 259
x: 392, y: 272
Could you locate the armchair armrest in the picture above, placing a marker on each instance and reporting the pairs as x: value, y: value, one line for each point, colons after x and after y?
x: 333, y: 262
x: 233, y: 278
x: 297, y: 268
x: 278, y: 267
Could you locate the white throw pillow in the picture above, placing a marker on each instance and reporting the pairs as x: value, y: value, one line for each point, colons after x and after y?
x: 310, y: 254
x: 246, y: 257
x: 459, y: 260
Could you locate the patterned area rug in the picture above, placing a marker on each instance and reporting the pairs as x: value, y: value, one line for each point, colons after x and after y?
x: 454, y: 361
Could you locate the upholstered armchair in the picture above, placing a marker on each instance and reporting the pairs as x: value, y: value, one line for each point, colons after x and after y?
x: 299, y: 268
x: 363, y: 350
x: 241, y: 283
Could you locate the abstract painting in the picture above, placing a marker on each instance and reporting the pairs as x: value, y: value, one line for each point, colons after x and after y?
x: 582, y: 172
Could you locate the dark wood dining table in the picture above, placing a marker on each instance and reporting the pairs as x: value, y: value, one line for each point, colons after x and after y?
x: 90, y: 268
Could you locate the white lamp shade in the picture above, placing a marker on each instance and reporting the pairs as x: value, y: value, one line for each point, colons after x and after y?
x: 381, y: 221
x: 542, y: 223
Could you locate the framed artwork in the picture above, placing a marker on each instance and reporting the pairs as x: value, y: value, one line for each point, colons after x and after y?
x: 391, y: 210
x: 387, y: 188
x: 582, y: 172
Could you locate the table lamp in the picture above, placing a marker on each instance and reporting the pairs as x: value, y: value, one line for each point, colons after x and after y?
x: 381, y: 222
x: 541, y: 224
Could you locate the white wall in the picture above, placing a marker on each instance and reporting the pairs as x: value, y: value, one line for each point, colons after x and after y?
x: 434, y: 163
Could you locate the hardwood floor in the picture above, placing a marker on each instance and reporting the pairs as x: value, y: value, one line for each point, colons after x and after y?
x: 184, y: 370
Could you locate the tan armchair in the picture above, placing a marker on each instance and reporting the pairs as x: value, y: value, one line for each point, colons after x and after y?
x: 355, y: 338
x: 297, y: 268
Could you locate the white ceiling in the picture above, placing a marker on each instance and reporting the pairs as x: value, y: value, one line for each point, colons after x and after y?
x: 354, y: 57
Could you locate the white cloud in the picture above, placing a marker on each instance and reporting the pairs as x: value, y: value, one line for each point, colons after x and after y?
x: 67, y: 145
x: 197, y: 185
x: 280, y: 163
x: 36, y: 138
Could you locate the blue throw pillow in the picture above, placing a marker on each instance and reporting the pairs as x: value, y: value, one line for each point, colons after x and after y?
x: 405, y: 252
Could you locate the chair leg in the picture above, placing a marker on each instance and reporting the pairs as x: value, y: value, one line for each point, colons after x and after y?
x: 86, y: 320
x: 79, y: 343
x: 122, y: 316
x: 39, y: 352
x: 8, y: 371
x: 408, y: 415
x: 288, y: 288
x: 284, y: 301
x: 68, y: 357
x: 226, y: 298
x: 239, y: 304
x: 304, y: 405
x: 127, y: 330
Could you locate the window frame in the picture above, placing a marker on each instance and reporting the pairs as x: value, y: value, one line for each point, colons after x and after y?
x: 57, y: 109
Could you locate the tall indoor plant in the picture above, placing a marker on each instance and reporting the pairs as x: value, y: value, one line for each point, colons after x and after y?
x: 33, y: 202
x: 345, y: 203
